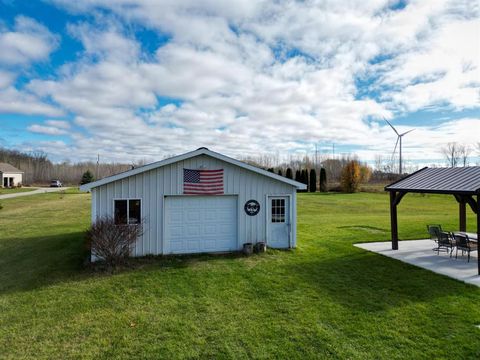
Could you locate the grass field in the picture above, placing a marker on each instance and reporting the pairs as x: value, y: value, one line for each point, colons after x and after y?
x: 324, y: 299
x: 4, y: 191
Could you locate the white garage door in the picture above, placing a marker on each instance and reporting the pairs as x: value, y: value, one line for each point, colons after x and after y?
x: 195, y: 224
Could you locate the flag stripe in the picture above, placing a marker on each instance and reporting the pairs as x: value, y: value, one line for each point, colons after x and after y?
x: 203, y: 188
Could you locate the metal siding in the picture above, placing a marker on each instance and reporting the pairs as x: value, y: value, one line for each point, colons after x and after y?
x: 294, y: 217
x: 153, y: 185
x: 93, y: 214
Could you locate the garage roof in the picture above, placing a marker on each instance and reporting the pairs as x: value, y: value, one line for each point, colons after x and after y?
x: 7, y: 168
x: 191, y: 154
x: 464, y: 180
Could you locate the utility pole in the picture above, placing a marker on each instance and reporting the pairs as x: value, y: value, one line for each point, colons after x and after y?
x: 333, y: 150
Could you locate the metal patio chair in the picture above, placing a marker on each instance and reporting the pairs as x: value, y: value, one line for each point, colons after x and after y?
x: 445, y: 242
x: 463, y: 243
x: 434, y: 231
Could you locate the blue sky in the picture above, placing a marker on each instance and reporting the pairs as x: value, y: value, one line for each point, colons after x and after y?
x: 140, y: 80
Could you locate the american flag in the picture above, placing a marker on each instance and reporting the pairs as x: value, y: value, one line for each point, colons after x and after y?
x: 203, y: 182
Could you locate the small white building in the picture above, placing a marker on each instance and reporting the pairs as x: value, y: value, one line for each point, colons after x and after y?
x: 198, y: 202
x: 10, y: 176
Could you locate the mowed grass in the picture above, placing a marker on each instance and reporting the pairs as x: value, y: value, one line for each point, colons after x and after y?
x: 324, y: 299
x: 5, y: 191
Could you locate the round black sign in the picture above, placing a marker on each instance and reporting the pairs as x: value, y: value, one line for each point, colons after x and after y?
x: 252, y: 207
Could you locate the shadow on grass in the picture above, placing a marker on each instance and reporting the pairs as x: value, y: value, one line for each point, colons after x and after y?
x: 353, y: 279
x: 30, y: 263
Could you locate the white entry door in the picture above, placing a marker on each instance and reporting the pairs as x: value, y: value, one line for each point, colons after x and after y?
x: 197, y: 224
x: 279, y: 222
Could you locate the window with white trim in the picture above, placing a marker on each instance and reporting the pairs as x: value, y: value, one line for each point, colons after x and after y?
x: 127, y: 212
x: 278, y: 210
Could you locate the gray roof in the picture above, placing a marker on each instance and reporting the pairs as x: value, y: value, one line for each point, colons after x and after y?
x: 7, y: 168
x: 462, y: 180
x: 191, y: 154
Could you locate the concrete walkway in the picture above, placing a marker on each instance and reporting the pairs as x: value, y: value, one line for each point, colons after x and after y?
x: 33, y: 192
x: 419, y: 253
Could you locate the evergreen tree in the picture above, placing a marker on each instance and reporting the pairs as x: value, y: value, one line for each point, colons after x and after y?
x: 87, y: 177
x: 289, y: 174
x: 280, y: 172
x: 313, y: 180
x: 323, y: 180
x: 304, y: 177
x: 297, y: 176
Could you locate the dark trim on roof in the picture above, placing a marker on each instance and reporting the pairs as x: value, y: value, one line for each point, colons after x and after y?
x: 405, y: 177
x: 451, y: 181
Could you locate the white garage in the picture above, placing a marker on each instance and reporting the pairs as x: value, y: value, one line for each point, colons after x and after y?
x: 10, y: 176
x: 199, y: 202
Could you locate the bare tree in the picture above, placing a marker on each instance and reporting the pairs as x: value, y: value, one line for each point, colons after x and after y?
x: 452, y: 154
x: 464, y: 152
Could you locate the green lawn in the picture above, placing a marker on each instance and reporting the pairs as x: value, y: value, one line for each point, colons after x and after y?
x: 324, y: 299
x: 4, y: 191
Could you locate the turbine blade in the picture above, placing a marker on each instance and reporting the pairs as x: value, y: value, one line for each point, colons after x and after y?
x: 388, y: 122
x: 405, y: 133
x: 395, y: 149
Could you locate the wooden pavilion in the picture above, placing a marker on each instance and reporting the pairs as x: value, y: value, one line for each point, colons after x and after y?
x: 463, y: 183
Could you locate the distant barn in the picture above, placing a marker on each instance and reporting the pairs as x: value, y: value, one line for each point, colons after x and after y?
x: 201, y: 201
x: 10, y: 176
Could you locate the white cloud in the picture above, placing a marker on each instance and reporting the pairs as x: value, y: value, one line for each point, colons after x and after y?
x: 28, y: 41
x: 14, y: 101
x: 6, y: 78
x: 262, y: 76
x: 109, y: 44
x: 58, y: 124
x: 46, y: 130
x: 445, y: 70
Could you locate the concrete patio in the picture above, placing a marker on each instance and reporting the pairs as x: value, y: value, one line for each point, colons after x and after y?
x: 419, y: 253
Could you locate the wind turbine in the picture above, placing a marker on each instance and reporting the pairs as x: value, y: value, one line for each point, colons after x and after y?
x: 399, y: 139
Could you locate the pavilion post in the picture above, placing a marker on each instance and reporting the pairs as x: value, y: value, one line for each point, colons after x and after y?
x: 478, y: 232
x: 393, y: 220
x: 462, y: 213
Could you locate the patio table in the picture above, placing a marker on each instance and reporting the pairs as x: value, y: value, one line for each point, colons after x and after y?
x: 471, y: 236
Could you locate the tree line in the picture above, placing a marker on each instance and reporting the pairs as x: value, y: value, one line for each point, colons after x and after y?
x: 38, y: 169
x: 353, y: 173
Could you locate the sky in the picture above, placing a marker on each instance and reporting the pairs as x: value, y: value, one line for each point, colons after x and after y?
x: 135, y: 80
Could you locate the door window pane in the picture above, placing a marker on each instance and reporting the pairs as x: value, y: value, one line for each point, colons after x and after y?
x: 120, y: 215
x: 278, y: 210
x: 134, y: 212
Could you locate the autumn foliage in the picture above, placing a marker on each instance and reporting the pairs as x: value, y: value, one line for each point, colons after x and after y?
x: 351, y: 176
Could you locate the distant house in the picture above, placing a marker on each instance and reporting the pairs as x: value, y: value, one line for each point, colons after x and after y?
x: 201, y: 201
x: 10, y: 176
